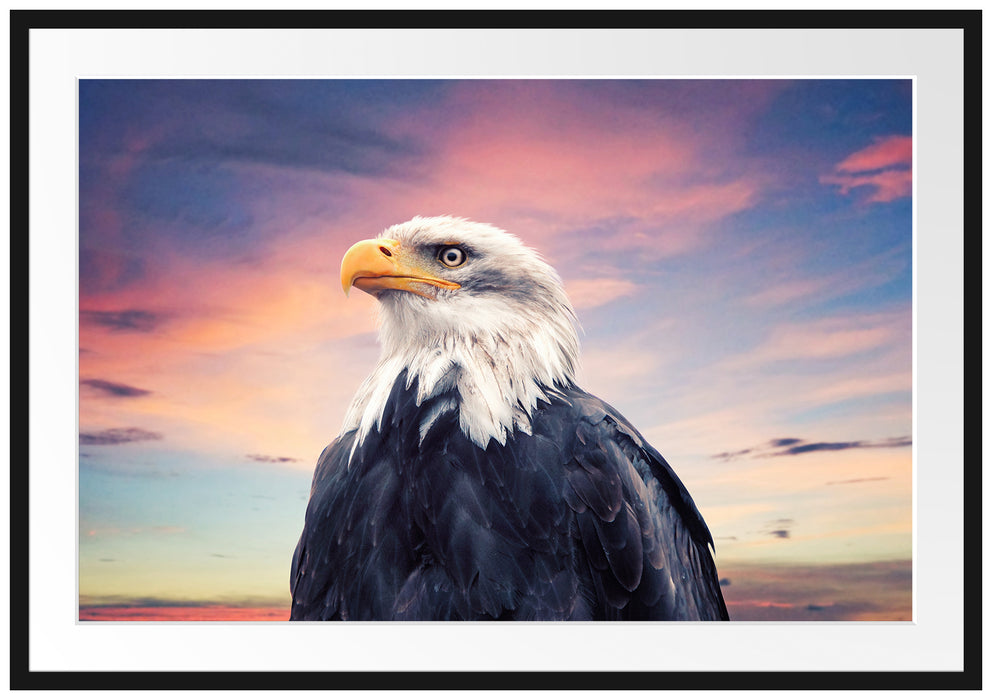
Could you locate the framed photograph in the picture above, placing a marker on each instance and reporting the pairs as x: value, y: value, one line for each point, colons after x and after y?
x: 761, y: 237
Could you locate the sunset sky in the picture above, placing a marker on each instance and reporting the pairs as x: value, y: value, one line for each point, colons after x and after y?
x: 739, y: 253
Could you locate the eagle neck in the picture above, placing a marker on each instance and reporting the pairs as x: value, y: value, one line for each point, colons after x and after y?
x: 494, y: 380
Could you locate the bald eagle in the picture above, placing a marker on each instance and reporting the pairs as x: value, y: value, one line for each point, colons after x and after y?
x: 473, y: 479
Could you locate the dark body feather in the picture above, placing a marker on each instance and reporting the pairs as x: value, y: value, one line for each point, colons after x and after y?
x: 581, y: 520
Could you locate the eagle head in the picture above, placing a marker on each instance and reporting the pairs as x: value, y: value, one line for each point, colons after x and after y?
x: 468, y: 307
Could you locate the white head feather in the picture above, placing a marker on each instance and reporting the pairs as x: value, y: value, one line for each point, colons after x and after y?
x: 505, y: 339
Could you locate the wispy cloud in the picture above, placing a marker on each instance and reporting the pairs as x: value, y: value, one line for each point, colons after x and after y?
x: 118, y: 436
x: 790, y: 447
x: 781, y: 528
x: 268, y: 459
x: 168, y: 529
x: 590, y: 293
x: 786, y: 291
x: 534, y: 157
x: 157, y: 529
x: 823, y: 339
x: 334, y: 137
x: 803, y: 448
x: 883, y: 166
x: 858, y: 481
x: 884, y: 153
x: 140, y: 601
x: 875, y: 385
x: 136, y: 320
x: 114, y: 389
x: 886, y: 185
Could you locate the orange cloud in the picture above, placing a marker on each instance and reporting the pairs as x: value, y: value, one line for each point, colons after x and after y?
x: 213, y: 307
x: 240, y: 358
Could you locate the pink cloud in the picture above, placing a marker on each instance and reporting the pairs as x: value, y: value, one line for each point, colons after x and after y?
x: 216, y: 307
x: 541, y: 161
x: 590, y: 293
x: 871, y: 590
x: 853, y: 278
x: 182, y: 613
x: 884, y: 153
x: 786, y: 292
x: 825, y: 339
x: 243, y: 349
x: 820, y: 343
x: 863, y: 386
x: 884, y: 167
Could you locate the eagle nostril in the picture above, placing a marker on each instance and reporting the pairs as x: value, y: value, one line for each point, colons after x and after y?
x: 385, y: 251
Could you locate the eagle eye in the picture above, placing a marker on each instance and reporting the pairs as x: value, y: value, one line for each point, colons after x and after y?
x: 452, y: 257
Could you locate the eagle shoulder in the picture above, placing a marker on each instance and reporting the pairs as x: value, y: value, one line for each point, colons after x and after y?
x: 646, y: 543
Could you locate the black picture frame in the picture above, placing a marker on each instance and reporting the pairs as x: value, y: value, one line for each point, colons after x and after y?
x: 22, y: 22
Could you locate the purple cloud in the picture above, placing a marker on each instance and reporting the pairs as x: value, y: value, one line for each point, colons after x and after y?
x: 118, y: 436
x: 795, y: 446
x: 136, y: 320
x: 114, y: 389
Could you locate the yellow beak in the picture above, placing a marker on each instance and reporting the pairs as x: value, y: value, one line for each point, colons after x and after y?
x: 381, y: 263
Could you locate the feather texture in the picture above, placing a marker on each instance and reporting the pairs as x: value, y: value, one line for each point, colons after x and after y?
x: 577, y: 520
